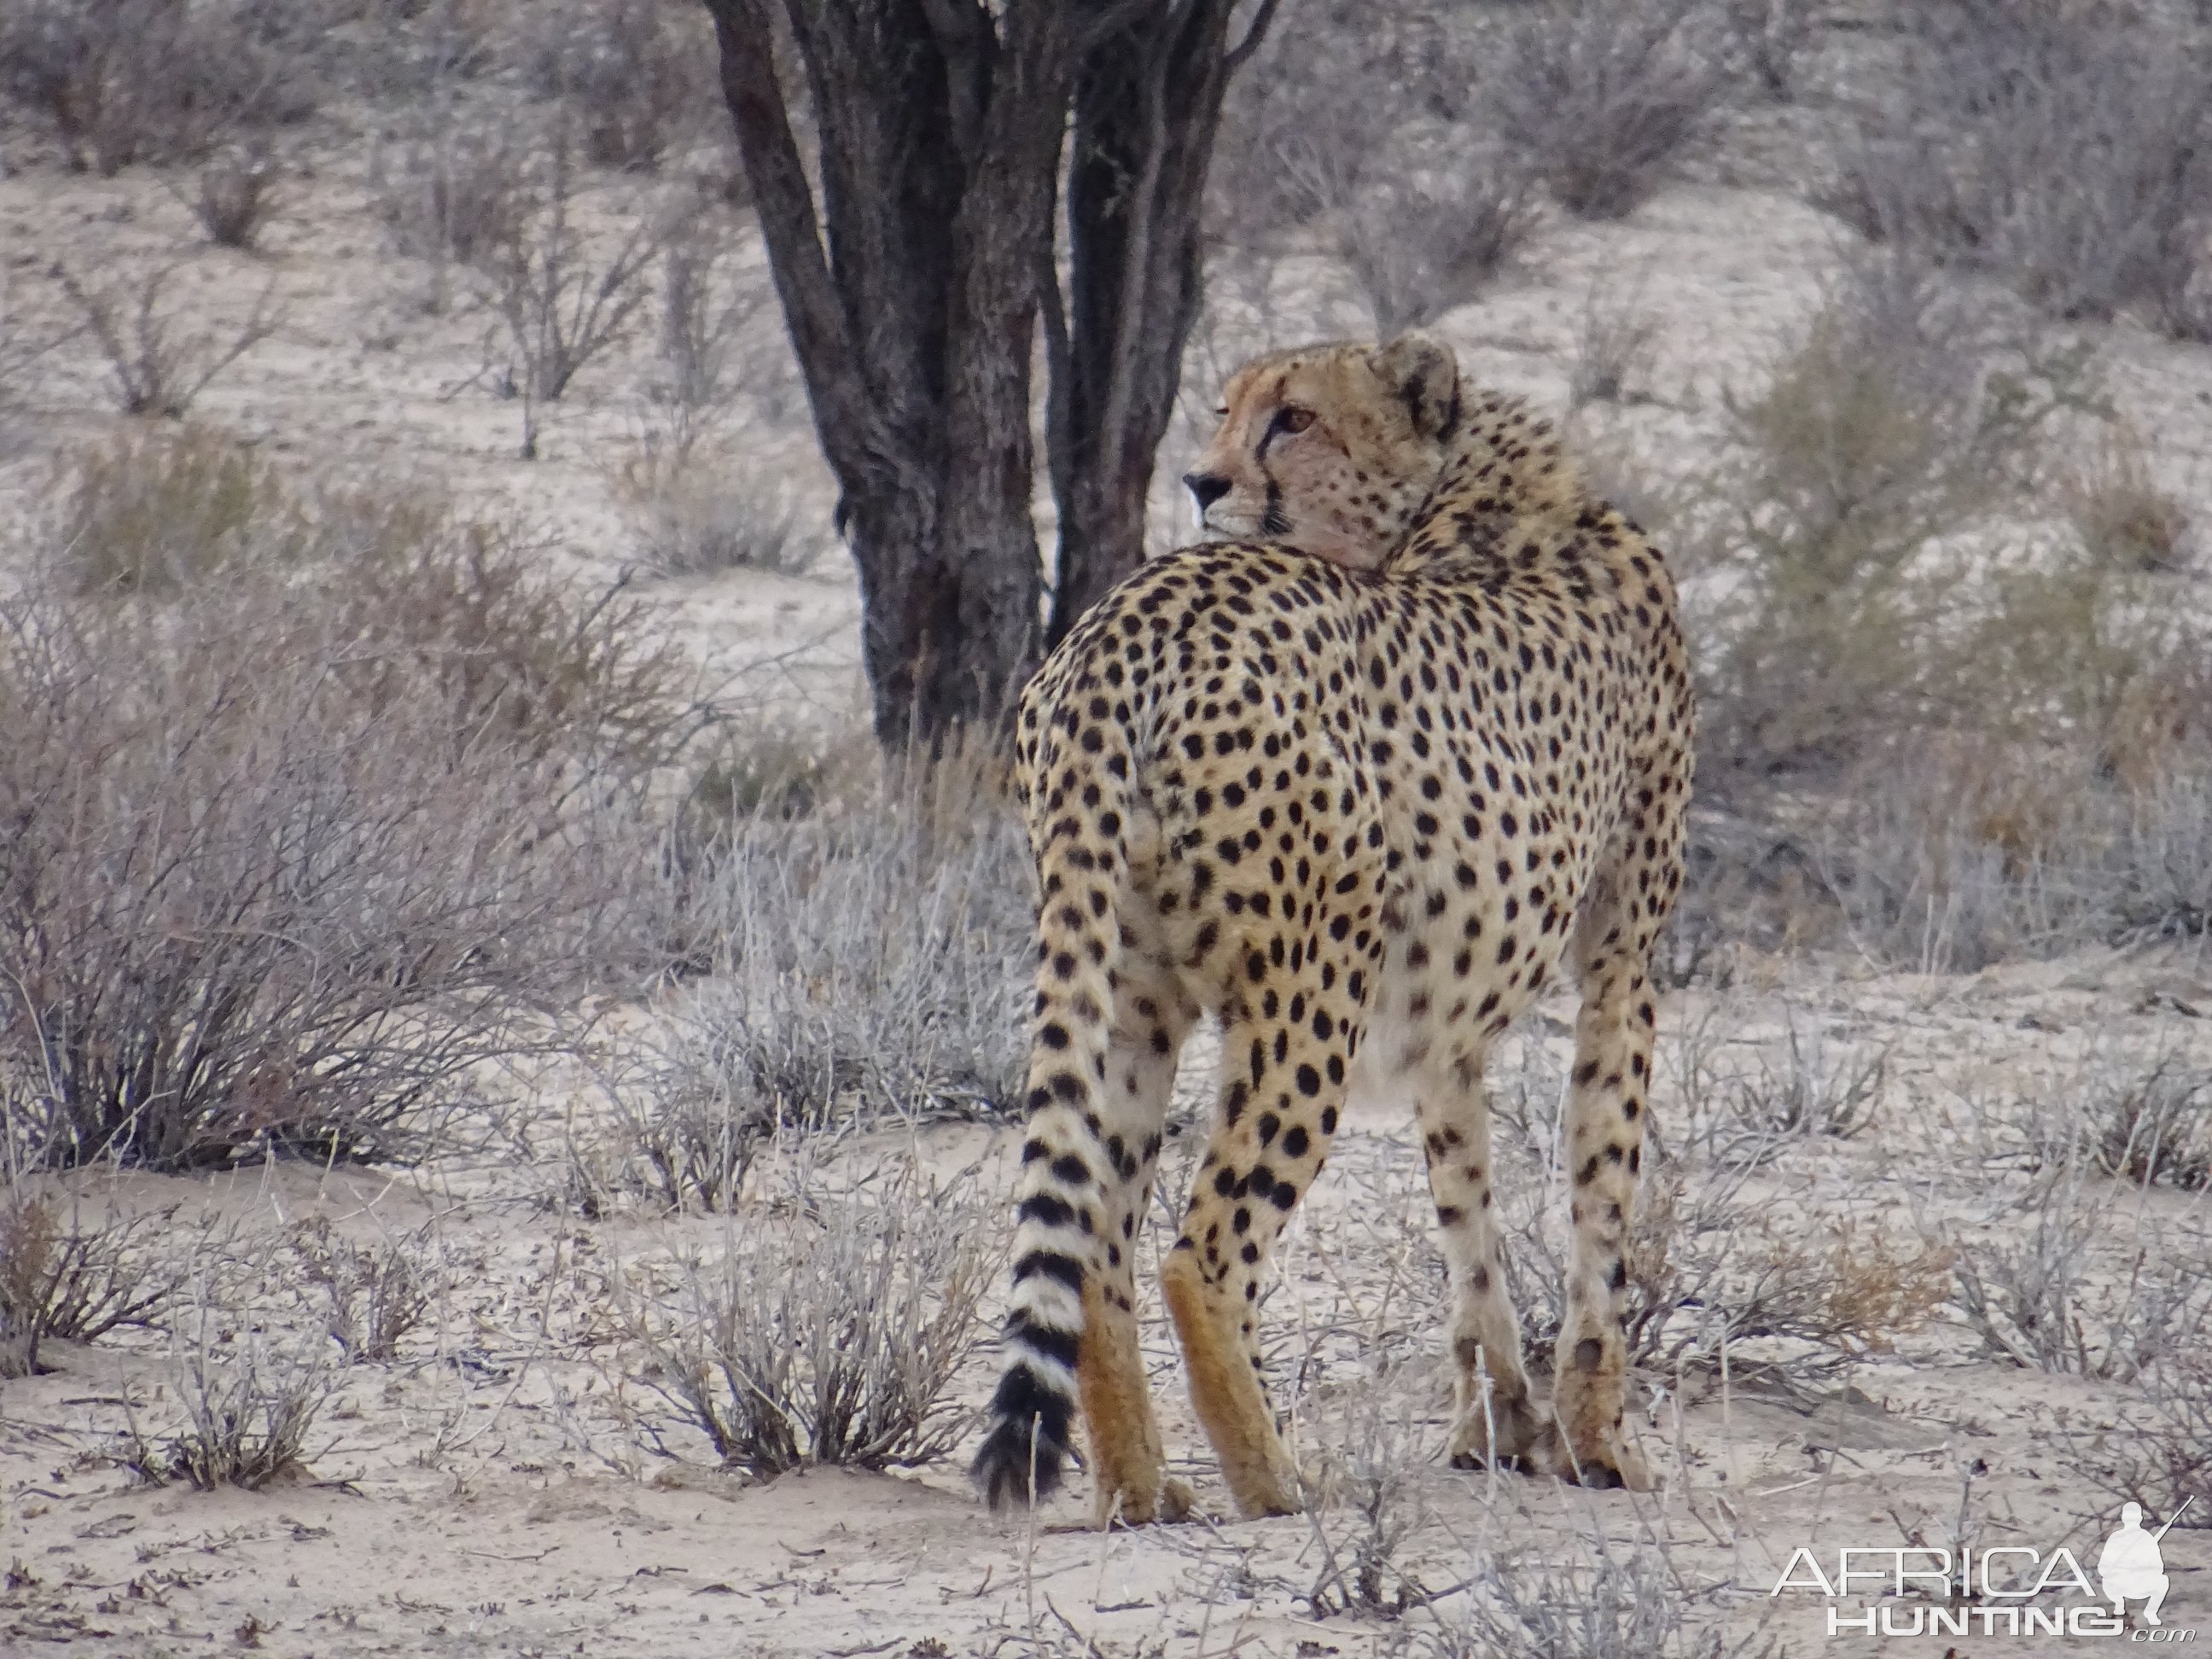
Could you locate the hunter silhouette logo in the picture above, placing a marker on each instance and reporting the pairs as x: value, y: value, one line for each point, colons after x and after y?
x: 2007, y: 1589
x: 2130, y: 1566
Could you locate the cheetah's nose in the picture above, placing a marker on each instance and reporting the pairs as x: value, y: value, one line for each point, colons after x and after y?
x: 1207, y: 487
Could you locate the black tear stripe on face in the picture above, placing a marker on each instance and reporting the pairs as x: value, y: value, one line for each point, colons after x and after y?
x: 1412, y: 394
x: 1273, y: 522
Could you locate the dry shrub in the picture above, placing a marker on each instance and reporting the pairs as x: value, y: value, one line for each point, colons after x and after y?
x: 640, y: 75
x: 1422, y: 235
x: 1604, y: 97
x: 2160, y: 1452
x: 863, y: 954
x: 145, y: 81
x: 372, y: 1295
x: 830, y: 1329
x: 1896, y: 422
x: 62, y: 1278
x: 1366, y: 1494
x: 2060, y: 147
x: 576, y: 681
x: 160, y: 365
x: 2063, y: 1298
x: 299, y: 848
x: 1712, y: 1269
x: 247, y: 1404
x: 426, y: 595
x: 2123, y: 518
x: 2007, y: 743
x: 1967, y: 853
x: 695, y: 513
x: 1603, y: 1601
x: 237, y: 194
x: 400, y: 52
x: 1716, y: 1268
x: 1771, y: 37
x: 155, y: 511
x: 707, y: 308
x: 561, y: 305
x: 1356, y: 120
x: 454, y: 195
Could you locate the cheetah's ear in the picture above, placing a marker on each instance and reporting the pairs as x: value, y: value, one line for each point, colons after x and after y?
x: 1421, y: 369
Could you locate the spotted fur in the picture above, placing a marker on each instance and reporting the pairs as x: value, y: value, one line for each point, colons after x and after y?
x: 1364, y: 809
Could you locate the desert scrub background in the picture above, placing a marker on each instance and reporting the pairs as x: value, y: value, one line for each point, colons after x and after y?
x: 855, y: 953
x: 568, y: 1034
x: 312, y: 804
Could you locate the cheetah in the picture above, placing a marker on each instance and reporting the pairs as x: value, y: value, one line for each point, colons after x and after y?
x: 1357, y: 779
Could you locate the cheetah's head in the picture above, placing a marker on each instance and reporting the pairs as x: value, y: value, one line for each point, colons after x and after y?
x: 1329, y: 448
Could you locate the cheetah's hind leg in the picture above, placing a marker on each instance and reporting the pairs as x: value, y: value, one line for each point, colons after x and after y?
x: 1129, y: 1482
x: 1283, y: 1087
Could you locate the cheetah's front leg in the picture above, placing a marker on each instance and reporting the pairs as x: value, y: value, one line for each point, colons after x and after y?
x: 1495, y: 1420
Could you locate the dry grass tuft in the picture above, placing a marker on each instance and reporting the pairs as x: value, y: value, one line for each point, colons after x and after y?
x: 236, y: 194
x: 855, y: 952
x: 831, y: 1327
x: 247, y: 1403
x: 2124, y: 519
x: 1616, y: 350
x: 2155, y: 1128
x: 696, y: 513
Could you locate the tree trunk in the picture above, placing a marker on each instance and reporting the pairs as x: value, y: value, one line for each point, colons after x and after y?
x: 911, y: 274
x: 910, y: 294
x: 1146, y: 105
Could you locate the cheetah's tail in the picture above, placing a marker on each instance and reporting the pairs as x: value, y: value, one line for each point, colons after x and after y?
x: 1082, y: 864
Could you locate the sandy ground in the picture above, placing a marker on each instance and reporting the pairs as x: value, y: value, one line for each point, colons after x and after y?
x: 512, y: 1483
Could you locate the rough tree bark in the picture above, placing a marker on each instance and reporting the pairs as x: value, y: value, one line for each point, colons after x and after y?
x: 911, y: 268
x: 1147, y: 105
x: 910, y: 294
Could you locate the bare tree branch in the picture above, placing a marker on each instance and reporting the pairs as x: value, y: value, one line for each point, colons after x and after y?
x: 785, y: 203
x: 1254, y: 35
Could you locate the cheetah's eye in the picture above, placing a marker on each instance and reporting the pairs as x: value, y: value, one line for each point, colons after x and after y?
x: 1293, y: 420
